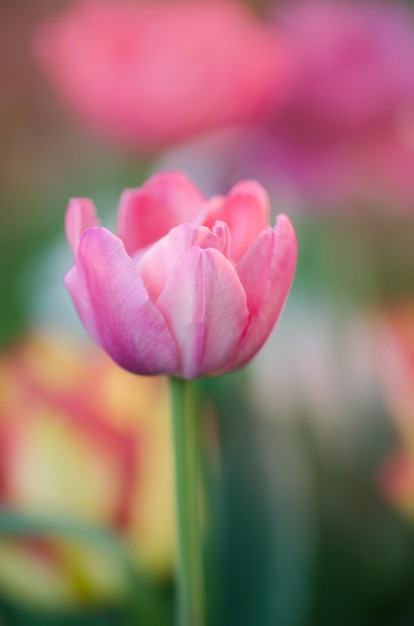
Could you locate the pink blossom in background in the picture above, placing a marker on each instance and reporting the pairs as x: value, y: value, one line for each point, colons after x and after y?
x: 395, y: 366
x: 346, y: 132
x: 148, y: 74
x: 188, y: 286
x: 397, y: 481
x: 353, y: 62
x: 395, y: 362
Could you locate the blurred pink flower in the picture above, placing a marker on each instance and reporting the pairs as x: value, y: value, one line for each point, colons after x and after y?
x: 346, y: 131
x: 188, y: 287
x: 397, y: 481
x: 353, y: 62
x: 395, y: 359
x: 147, y: 74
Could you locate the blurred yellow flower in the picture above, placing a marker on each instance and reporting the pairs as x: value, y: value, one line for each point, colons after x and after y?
x: 82, y: 440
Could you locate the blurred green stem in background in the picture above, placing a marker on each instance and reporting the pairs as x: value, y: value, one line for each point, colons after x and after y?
x: 190, y: 579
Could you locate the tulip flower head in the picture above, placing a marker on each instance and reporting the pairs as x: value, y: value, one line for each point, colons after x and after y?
x: 344, y: 134
x: 148, y: 74
x: 396, y: 481
x: 395, y: 359
x: 188, y: 286
x: 84, y: 441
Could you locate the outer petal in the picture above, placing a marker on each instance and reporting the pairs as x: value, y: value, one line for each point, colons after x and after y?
x: 149, y: 212
x: 113, y: 304
x: 245, y: 210
x: 206, y: 308
x: 80, y: 215
x: 266, y: 273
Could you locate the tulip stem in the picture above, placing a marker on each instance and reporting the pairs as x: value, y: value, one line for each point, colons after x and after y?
x: 190, y: 579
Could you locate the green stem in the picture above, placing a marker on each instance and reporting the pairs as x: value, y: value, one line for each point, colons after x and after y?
x: 190, y: 579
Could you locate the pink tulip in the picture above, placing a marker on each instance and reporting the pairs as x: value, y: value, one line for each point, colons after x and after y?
x: 344, y: 136
x: 353, y: 62
x: 394, y: 344
x: 189, y: 286
x: 396, y: 481
x: 147, y: 74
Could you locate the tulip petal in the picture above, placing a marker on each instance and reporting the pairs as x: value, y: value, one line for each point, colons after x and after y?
x: 156, y: 262
x: 149, y: 212
x: 153, y: 266
x: 80, y: 215
x: 219, y: 238
x: 113, y: 303
x: 206, y: 308
x: 246, y: 211
x: 266, y: 272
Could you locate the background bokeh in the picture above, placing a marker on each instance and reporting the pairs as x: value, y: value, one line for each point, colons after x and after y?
x: 309, y: 451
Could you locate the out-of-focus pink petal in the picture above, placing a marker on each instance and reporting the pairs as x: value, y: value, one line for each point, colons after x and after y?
x: 266, y: 273
x: 397, y: 479
x: 352, y: 62
x: 205, y: 305
x: 246, y: 211
x: 149, y: 212
x: 80, y: 215
x: 113, y: 303
x: 150, y: 74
